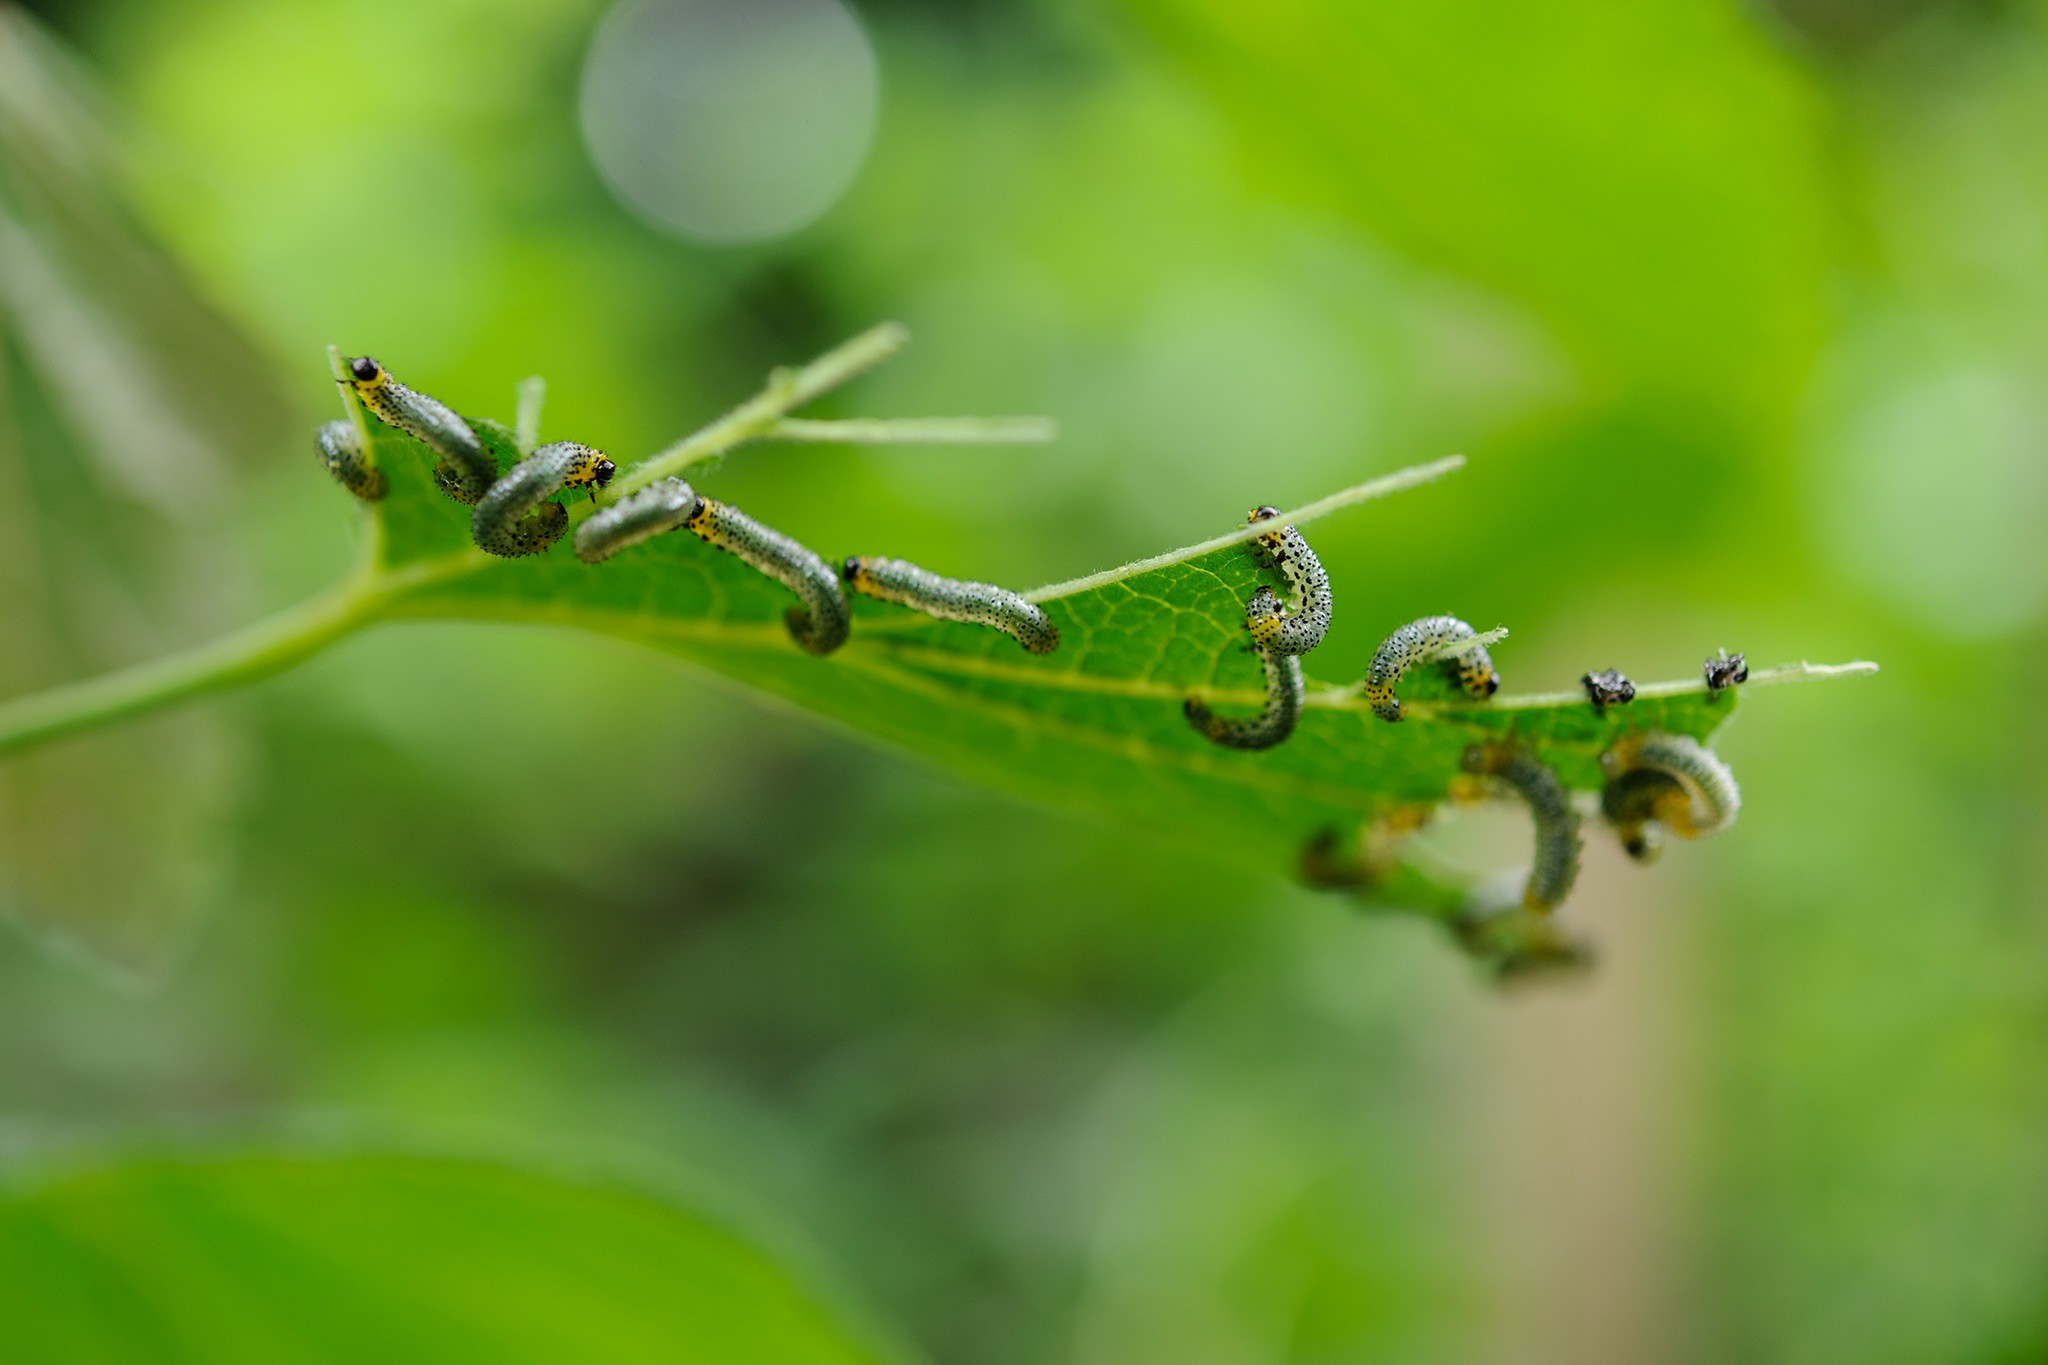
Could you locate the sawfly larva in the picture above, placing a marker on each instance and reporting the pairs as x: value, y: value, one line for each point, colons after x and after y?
x: 1427, y: 640
x: 651, y: 511
x: 952, y: 599
x: 342, y: 454
x: 1665, y: 782
x: 821, y: 624
x: 515, y: 518
x: 466, y: 470
x: 1300, y: 626
x: 1556, y: 865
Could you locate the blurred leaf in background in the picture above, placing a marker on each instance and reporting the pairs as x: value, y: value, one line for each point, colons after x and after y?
x: 1732, y: 309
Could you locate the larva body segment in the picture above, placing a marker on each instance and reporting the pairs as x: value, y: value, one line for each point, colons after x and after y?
x: 952, y: 599
x: 466, y: 470
x: 1300, y: 626
x: 1285, y: 692
x: 342, y: 454
x: 515, y: 518
x: 658, y: 508
x: 1556, y: 864
x: 1666, y: 782
x: 1423, y: 641
x: 821, y: 624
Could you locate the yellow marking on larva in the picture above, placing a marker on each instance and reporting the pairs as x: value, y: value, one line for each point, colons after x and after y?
x: 821, y: 624
x: 465, y: 470
x: 1424, y: 641
x: 1665, y: 782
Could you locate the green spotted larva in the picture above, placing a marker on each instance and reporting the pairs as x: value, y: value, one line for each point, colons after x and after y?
x: 514, y: 516
x: 821, y: 624
x: 1300, y: 626
x: 341, y: 453
x: 466, y: 470
x: 1665, y: 782
x: 1427, y: 640
x: 952, y: 599
x: 1285, y: 694
x: 1556, y: 865
x: 641, y: 515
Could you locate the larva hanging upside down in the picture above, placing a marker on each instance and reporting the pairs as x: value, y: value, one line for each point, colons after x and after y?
x: 1665, y: 782
x: 1300, y: 626
x: 1556, y: 866
x: 952, y: 599
x: 1280, y: 637
x: 466, y: 470
x: 1285, y: 693
x: 514, y: 518
x: 1428, y: 640
x: 341, y: 453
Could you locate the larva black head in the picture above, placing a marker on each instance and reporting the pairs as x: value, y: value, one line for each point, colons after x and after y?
x: 365, y: 369
x: 1263, y: 513
x: 1609, y: 687
x: 1724, y: 670
x: 602, y: 474
x: 850, y: 570
x: 1491, y: 685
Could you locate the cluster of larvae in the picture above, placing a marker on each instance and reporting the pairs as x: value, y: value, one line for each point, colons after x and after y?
x: 515, y: 515
x: 1654, y: 782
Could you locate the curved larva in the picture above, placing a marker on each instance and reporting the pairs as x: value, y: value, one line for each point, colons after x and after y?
x: 1519, y: 942
x: 466, y: 470
x: 952, y: 599
x: 341, y: 452
x: 1285, y: 692
x: 1431, y: 638
x: 514, y: 518
x: 1670, y: 782
x: 822, y: 623
x: 1300, y: 626
x: 658, y: 508
x: 1556, y: 866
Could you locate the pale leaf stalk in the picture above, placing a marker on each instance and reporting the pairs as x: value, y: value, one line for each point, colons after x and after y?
x: 533, y: 393
x: 917, y: 430
x: 786, y: 390
x: 1347, y: 497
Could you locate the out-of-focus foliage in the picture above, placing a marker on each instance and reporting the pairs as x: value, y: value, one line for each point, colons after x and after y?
x: 1741, y: 328
x: 387, y: 1258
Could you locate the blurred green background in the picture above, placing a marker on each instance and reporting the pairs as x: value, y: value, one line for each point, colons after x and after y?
x: 1740, y: 313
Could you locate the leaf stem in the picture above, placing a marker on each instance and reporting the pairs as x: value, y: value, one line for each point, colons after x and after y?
x: 257, y: 651
x: 917, y: 430
x: 1321, y: 507
x: 785, y: 390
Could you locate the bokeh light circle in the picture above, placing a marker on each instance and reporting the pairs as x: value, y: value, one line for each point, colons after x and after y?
x: 729, y: 120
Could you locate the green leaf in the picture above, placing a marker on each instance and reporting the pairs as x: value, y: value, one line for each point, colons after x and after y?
x: 1097, y: 725
x: 356, y: 1258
